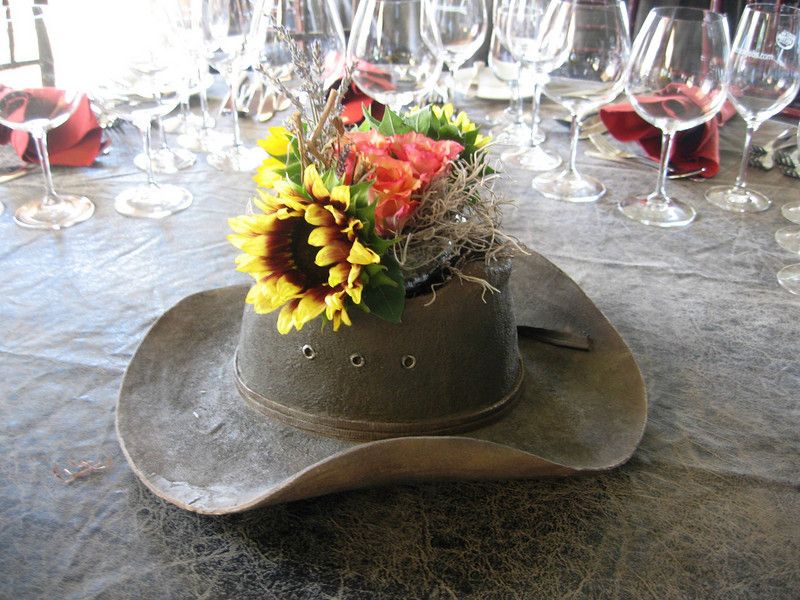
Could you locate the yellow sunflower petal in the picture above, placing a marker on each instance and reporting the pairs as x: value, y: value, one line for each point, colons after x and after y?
x: 332, y: 253
x: 361, y: 255
x: 317, y: 215
x: 308, y: 309
x: 250, y: 224
x: 277, y: 142
x: 338, y: 273
x: 340, y: 194
x: 314, y: 184
x: 286, y: 317
x: 353, y: 227
x: 354, y: 291
x: 322, y: 236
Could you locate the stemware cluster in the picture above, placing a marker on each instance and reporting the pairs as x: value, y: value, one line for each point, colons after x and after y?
x: 677, y: 74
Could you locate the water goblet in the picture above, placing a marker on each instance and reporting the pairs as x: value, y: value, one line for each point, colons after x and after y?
x: 462, y: 29
x: 315, y: 28
x: 676, y: 81
x: 229, y: 48
x: 394, y: 51
x: 510, y: 121
x: 138, y: 77
x: 535, y: 33
x: 763, y: 78
x: 23, y: 108
x: 791, y: 210
x: 591, y: 76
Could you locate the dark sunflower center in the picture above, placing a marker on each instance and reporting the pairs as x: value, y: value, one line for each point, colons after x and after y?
x: 304, y: 254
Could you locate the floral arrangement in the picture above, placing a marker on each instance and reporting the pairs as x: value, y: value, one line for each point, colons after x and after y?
x: 366, y: 216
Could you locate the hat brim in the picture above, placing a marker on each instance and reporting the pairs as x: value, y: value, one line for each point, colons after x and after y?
x: 192, y: 439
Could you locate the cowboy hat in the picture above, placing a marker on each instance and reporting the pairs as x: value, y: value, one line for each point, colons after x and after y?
x: 197, y: 434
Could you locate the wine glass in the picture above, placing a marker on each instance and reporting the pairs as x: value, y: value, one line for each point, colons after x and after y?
x: 138, y: 76
x: 394, y: 51
x: 592, y: 75
x: 763, y: 78
x: 462, y: 30
x: 789, y: 278
x: 228, y: 45
x: 316, y: 30
x: 36, y: 100
x: 791, y: 210
x: 676, y: 81
x: 510, y: 121
x: 535, y: 33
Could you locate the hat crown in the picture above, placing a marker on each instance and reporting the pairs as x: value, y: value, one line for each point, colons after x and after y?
x: 451, y: 365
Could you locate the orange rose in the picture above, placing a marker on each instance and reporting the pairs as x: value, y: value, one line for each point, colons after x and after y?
x: 428, y: 158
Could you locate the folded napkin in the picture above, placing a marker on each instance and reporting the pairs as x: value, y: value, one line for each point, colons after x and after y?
x: 355, y: 100
x: 692, y: 149
x: 75, y: 143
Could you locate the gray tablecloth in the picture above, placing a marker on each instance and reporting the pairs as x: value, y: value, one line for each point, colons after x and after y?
x: 708, y: 507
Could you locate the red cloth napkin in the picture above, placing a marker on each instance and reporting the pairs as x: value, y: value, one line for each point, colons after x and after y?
x: 75, y: 143
x: 355, y: 100
x: 691, y: 149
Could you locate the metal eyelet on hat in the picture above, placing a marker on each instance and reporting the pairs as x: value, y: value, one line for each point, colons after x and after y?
x: 409, y: 361
x: 357, y: 360
x: 308, y: 352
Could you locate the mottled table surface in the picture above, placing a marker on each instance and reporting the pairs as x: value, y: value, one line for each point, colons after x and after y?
x: 708, y: 507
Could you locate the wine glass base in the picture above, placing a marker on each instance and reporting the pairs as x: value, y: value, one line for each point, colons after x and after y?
x: 671, y: 213
x: 737, y: 200
x: 569, y: 187
x: 166, y: 160
x: 788, y: 238
x: 791, y: 212
x: 181, y: 124
x: 236, y: 159
x: 66, y: 212
x: 789, y: 278
x: 531, y: 158
x: 203, y: 140
x: 152, y: 201
x: 516, y: 134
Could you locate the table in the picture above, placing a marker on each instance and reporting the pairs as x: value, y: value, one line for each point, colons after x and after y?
x: 708, y: 507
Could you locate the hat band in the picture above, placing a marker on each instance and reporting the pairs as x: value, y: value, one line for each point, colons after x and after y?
x: 355, y: 430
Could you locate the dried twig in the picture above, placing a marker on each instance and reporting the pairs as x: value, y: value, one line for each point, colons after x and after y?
x: 81, y: 469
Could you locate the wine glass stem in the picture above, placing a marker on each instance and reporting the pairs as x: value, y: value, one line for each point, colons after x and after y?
x: 660, y: 193
x: 535, y: 101
x: 146, y: 140
x: 574, y: 134
x: 515, y: 100
x: 237, y: 133
x: 162, y: 135
x: 451, y: 82
x: 50, y: 196
x: 204, y: 105
x: 741, y: 178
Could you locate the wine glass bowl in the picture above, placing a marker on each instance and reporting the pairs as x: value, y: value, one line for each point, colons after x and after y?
x: 462, y: 29
x: 394, y: 51
x: 676, y: 81
x: 592, y: 74
x: 763, y: 78
x: 314, y: 28
x: 37, y: 100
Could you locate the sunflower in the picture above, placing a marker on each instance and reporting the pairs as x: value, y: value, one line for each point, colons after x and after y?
x: 303, y: 252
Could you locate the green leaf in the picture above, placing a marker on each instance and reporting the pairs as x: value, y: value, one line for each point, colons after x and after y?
x: 392, y: 124
x: 420, y: 121
x: 386, y: 301
x: 369, y: 122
